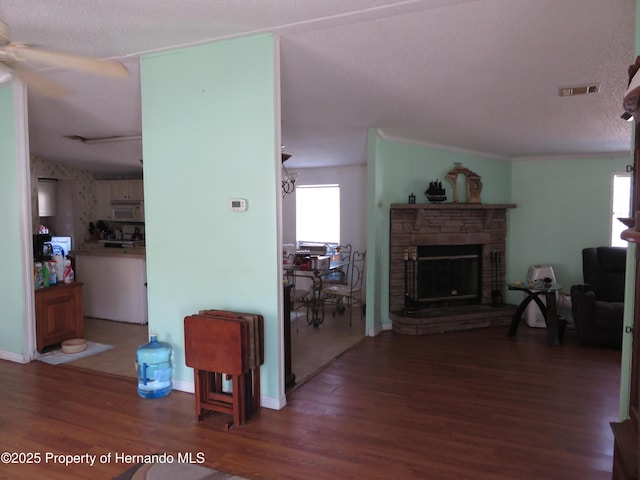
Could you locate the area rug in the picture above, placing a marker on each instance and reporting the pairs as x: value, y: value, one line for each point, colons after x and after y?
x: 57, y: 357
x: 174, y: 471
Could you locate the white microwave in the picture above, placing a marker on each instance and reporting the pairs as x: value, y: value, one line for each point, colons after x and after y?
x: 128, y: 212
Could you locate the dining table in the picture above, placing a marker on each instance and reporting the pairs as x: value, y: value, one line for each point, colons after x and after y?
x: 314, y: 300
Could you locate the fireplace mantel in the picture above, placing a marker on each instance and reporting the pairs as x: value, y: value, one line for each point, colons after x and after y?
x: 452, y: 206
x: 419, y: 208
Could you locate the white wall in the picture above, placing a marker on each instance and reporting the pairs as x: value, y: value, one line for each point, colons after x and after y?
x: 353, y: 202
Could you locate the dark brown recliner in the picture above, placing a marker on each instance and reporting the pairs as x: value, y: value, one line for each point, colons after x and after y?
x: 598, y: 304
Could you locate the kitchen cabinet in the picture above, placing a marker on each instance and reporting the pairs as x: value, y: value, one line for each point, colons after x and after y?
x: 46, y: 198
x: 103, y: 200
x: 127, y: 191
x: 59, y: 314
x: 114, y: 284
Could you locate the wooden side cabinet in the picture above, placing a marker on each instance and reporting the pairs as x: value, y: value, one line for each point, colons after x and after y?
x: 59, y: 314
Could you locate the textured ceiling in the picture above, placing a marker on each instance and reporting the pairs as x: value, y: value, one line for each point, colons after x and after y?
x: 480, y: 76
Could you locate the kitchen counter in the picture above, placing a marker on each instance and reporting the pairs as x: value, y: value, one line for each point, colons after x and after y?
x: 112, y: 252
x: 114, y: 283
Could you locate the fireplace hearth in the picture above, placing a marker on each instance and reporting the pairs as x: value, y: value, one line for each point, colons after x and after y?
x: 443, y: 276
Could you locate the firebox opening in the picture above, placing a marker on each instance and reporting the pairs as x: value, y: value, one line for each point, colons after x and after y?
x: 447, y: 276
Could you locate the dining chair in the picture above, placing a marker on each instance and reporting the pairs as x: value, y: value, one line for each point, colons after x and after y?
x: 351, y: 294
x: 340, y: 276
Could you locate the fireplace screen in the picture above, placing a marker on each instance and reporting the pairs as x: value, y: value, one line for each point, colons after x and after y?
x: 443, y: 275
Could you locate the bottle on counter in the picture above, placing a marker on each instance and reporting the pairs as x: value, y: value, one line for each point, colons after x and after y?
x: 38, y: 278
x: 45, y: 274
x: 59, y: 261
x: 68, y: 272
x: 53, y: 275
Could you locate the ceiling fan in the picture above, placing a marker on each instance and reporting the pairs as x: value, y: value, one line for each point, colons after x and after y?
x: 15, y: 58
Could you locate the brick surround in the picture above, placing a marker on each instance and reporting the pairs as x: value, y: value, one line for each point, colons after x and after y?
x: 414, y: 225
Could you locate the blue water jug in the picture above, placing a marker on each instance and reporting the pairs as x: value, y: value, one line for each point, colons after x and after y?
x: 154, y: 369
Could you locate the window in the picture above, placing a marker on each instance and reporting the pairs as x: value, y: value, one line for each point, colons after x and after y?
x: 620, y: 206
x: 318, y: 213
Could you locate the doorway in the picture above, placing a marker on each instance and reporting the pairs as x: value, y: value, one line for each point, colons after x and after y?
x: 315, y: 347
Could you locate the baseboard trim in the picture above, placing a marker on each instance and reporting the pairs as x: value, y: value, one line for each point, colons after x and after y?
x: 184, y: 386
x: 271, y: 403
x: 379, y: 329
x: 13, y: 357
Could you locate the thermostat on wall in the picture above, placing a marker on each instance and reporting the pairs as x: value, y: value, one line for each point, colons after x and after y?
x: 238, y: 204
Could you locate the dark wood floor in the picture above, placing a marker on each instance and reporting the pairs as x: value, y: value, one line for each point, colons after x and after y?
x: 467, y: 405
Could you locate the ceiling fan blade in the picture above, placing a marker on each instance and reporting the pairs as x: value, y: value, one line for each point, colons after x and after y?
x: 81, y: 63
x: 38, y: 83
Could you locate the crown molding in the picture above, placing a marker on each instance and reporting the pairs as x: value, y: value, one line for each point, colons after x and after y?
x: 564, y: 156
x: 572, y: 156
x: 438, y: 146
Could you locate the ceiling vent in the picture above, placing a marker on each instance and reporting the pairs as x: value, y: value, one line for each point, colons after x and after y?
x: 579, y: 90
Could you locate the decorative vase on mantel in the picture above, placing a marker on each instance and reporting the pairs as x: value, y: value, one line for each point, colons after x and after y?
x: 436, y: 193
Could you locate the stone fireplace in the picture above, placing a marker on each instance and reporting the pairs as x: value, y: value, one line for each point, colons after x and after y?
x: 447, y: 267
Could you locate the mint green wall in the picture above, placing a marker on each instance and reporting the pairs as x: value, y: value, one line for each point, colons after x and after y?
x: 407, y: 168
x: 396, y: 170
x: 210, y: 134
x: 563, y: 206
x: 11, y: 280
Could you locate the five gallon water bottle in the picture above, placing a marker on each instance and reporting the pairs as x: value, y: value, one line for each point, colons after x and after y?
x: 154, y: 368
